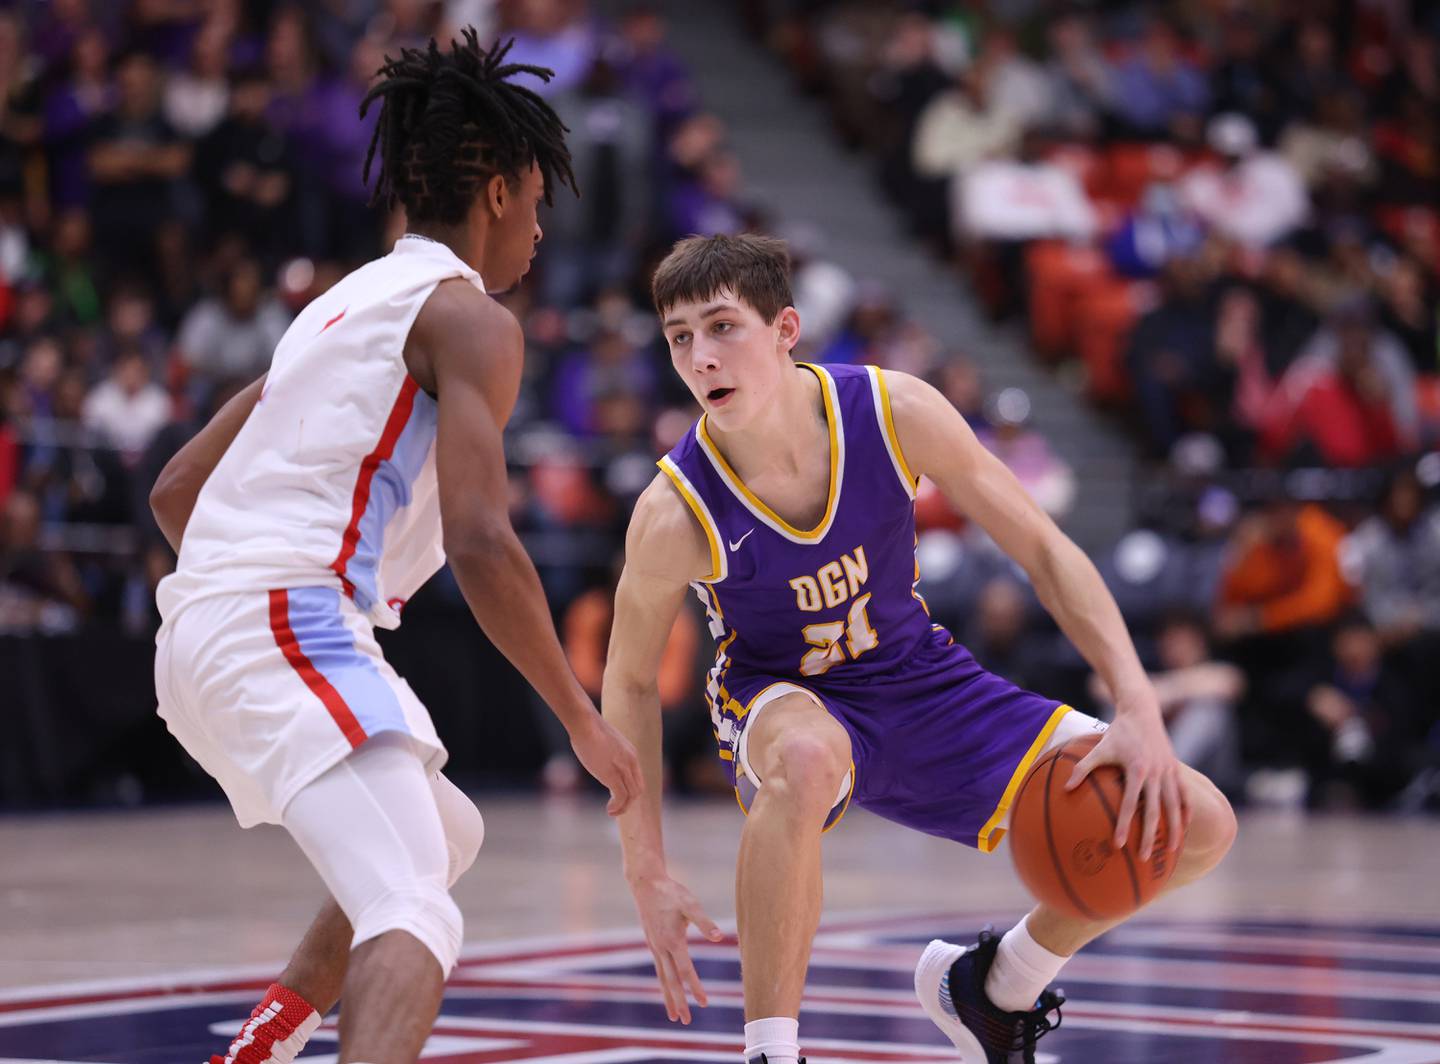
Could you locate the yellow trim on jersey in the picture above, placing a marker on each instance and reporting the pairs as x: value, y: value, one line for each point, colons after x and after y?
x: 753, y: 502
x: 992, y: 833
x: 718, y: 561
x: 881, y: 393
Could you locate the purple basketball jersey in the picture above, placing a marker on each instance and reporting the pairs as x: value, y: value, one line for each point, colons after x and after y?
x: 939, y: 744
x: 838, y: 600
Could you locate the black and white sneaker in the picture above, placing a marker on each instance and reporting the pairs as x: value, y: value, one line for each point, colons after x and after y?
x: 950, y: 983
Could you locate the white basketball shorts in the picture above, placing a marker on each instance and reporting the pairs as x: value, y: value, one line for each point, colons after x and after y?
x: 267, y: 690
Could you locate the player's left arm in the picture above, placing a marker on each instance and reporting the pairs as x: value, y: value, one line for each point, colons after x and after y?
x: 172, y: 499
x: 937, y: 443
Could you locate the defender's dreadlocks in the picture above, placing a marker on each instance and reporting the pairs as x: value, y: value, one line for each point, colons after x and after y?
x: 450, y: 121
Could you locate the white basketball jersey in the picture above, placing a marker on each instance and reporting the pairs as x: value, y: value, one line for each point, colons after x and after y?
x: 331, y: 481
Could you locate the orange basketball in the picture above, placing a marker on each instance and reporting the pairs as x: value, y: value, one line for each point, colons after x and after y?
x: 1063, y: 841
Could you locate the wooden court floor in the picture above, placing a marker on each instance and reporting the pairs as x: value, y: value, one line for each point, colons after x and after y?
x: 141, y: 938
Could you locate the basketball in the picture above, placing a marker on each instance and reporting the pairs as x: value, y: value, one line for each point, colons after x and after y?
x: 1063, y: 845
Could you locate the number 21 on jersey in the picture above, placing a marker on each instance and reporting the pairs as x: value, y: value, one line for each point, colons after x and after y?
x: 834, y: 640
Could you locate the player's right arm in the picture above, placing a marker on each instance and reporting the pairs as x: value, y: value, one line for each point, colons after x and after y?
x: 467, y: 350
x: 664, y: 551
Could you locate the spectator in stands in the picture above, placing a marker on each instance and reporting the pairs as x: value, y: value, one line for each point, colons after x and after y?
x: 39, y: 589
x: 650, y: 72
x: 960, y: 127
x: 1394, y: 560
x: 1241, y: 81
x: 1198, y: 697
x: 246, y: 170
x: 1254, y: 197
x: 1026, y: 453
x: 553, y: 34
x: 1015, y: 85
x: 1307, y: 69
x: 68, y: 270
x: 1408, y: 302
x: 1180, y: 383
x: 136, y: 161
x: 999, y: 633
x: 1283, y: 572
x: 1158, y: 89
x: 709, y: 203
x: 1160, y: 228
x: 233, y: 335
x: 594, y: 241
x: 196, y: 98
x: 9, y: 457
x: 73, y: 106
x: 1348, y: 401
x: 1360, y: 739
x: 128, y: 408
x: 20, y: 102
x: 609, y: 363
x: 1080, y: 77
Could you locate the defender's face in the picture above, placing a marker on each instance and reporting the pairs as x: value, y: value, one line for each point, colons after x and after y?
x: 730, y: 358
x: 515, y: 235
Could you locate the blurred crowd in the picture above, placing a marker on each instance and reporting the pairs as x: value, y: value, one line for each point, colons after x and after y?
x: 1222, y: 216
x: 1222, y: 222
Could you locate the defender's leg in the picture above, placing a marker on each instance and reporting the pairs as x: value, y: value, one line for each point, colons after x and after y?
x: 800, y: 756
x: 309, y: 987
x: 371, y: 827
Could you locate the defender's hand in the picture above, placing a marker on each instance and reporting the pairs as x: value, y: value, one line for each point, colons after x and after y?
x: 1136, y: 744
x: 608, y: 756
x: 667, y: 909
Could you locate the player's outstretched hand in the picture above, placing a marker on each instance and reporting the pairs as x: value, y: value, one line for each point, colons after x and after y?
x: 608, y: 756
x: 1136, y: 744
x: 667, y: 909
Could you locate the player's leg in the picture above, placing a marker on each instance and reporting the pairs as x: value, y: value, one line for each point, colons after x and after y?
x: 309, y: 987
x: 992, y: 997
x: 800, y: 756
x: 371, y: 827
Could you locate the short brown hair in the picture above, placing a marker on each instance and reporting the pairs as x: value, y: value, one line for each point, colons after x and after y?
x: 755, y: 268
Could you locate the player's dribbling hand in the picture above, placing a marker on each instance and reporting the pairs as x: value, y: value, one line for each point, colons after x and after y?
x: 667, y: 909
x: 608, y: 756
x: 1136, y: 744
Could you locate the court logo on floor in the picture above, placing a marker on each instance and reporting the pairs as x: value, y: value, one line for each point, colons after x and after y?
x: 1261, y: 991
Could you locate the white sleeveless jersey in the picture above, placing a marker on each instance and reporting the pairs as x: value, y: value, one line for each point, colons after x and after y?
x: 331, y: 481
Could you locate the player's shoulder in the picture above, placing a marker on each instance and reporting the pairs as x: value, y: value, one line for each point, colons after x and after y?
x: 909, y: 396
x: 664, y: 536
x: 456, y: 308
x: 462, y: 326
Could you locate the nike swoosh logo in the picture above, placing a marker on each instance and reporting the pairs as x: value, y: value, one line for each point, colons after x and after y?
x: 735, y: 545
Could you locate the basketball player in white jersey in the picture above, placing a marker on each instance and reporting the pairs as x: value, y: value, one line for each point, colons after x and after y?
x: 317, y: 502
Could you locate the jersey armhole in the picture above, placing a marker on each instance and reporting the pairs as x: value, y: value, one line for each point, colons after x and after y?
x: 880, y: 393
x: 719, y: 567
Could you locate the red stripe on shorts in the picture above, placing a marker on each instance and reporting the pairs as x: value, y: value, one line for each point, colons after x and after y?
x: 290, y: 647
x: 394, y: 425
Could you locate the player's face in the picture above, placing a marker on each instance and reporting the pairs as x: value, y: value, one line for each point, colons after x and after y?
x: 730, y: 358
x: 515, y: 234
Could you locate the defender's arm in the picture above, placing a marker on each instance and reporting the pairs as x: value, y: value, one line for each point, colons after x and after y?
x: 172, y: 499
x: 468, y: 350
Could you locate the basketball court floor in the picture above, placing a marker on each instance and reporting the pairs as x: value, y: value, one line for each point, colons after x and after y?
x: 144, y: 938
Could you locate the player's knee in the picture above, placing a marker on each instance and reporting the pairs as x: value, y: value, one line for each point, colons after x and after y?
x: 1213, y: 825
x: 810, y: 767
x: 422, y: 909
x: 463, y: 824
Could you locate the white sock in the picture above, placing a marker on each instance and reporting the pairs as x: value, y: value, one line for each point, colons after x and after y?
x: 778, y: 1037
x: 1022, y: 970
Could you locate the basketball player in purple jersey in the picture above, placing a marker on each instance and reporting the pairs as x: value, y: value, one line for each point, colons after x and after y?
x: 266, y: 666
x: 789, y: 509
